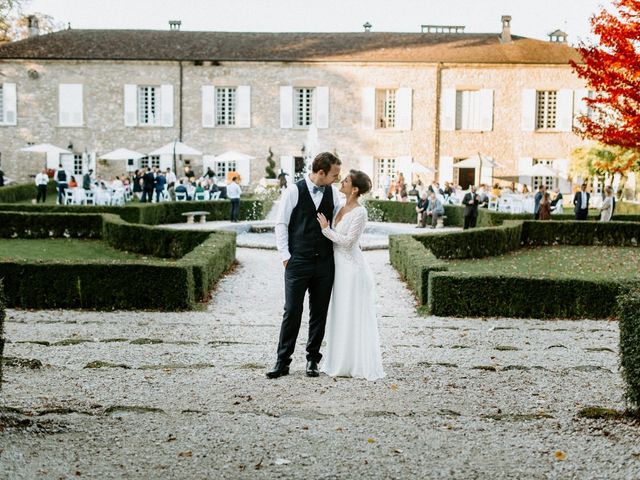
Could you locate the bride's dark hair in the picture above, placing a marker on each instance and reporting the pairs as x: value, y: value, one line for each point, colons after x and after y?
x: 361, y: 180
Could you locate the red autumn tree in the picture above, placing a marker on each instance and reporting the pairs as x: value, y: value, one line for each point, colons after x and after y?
x: 611, y: 69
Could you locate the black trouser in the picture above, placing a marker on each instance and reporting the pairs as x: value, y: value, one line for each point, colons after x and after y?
x: 42, y: 193
x: 235, y: 209
x: 316, y: 276
x: 470, y: 221
x: 147, y: 195
x: 582, y: 214
x: 61, y: 189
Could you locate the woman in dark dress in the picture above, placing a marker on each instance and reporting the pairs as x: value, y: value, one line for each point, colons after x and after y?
x: 545, y: 207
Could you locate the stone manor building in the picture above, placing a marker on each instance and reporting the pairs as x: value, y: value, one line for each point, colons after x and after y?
x: 384, y: 102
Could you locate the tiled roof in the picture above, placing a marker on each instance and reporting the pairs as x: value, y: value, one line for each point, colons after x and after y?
x: 232, y: 46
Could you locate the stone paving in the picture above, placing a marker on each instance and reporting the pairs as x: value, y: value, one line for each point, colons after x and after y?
x: 112, y: 395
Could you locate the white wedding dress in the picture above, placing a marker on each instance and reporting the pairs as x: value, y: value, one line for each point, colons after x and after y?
x: 353, y: 344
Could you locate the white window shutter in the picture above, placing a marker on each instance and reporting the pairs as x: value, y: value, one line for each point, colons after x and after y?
x: 243, y: 107
x: 70, y: 110
x: 368, y: 108
x: 528, y: 110
x: 403, y: 165
x: 166, y: 161
x: 581, y: 108
x: 288, y: 165
x: 448, y: 110
x: 486, y: 109
x: 486, y: 171
x: 92, y: 161
x: 208, y: 106
x: 524, y: 164
x: 243, y: 167
x: 166, y: 106
x: 366, y: 165
x: 322, y: 107
x: 130, y: 105
x: 445, y: 169
x: 286, y: 107
x: 9, y: 102
x: 565, y: 110
x: 404, y: 108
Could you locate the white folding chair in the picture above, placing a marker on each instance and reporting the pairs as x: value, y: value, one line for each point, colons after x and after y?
x: 181, y: 196
x: 505, y: 205
x: 68, y: 197
x: 89, y: 198
x: 199, y: 196
x: 215, y: 196
x: 117, y: 198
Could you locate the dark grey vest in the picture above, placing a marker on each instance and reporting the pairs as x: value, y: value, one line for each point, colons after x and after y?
x: 305, y: 235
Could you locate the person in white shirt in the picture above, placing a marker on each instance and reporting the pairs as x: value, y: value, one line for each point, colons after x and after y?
x: 233, y: 193
x: 307, y: 257
x: 170, y: 178
x: 42, y: 179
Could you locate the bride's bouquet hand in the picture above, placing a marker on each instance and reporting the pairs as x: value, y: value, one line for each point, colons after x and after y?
x: 322, y: 220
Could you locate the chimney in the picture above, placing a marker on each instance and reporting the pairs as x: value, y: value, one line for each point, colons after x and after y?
x: 505, y: 36
x: 367, y: 27
x: 32, y: 23
x: 174, y: 25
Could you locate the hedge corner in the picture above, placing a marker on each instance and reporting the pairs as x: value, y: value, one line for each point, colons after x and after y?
x: 629, y: 319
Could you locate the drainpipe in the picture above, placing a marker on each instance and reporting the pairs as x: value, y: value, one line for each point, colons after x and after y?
x: 175, y: 169
x: 436, y: 136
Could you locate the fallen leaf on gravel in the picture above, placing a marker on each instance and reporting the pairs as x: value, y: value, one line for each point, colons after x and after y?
x: 560, y: 455
x: 282, y: 461
x: 394, y: 387
x: 171, y: 438
x: 397, y: 451
x: 371, y: 440
x: 338, y: 429
x: 258, y: 465
x: 188, y: 453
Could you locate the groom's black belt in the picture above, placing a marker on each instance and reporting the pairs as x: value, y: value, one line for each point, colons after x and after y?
x: 312, y: 256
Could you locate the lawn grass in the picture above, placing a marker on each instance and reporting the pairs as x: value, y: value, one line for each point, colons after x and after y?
x: 597, y: 263
x: 62, y: 249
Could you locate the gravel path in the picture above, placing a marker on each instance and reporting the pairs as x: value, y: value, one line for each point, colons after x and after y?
x: 183, y: 395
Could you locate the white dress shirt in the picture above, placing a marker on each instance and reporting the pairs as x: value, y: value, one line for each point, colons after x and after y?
x: 42, y: 179
x: 583, y: 201
x: 233, y: 190
x: 288, y: 202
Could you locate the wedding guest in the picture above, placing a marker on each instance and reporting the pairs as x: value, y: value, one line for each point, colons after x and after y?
x: 421, y: 209
x: 148, y: 181
x: 544, y: 207
x: 525, y: 190
x: 606, y: 210
x: 62, y: 182
x: 181, y: 187
x: 581, y: 203
x: 160, y: 184
x: 556, y: 203
x: 170, y: 178
x: 117, y: 184
x: 42, y: 179
x: 537, y: 199
x: 470, y: 202
x: 233, y: 193
x: 435, y: 209
x: 72, y: 182
x: 137, y: 183
x: 496, y: 190
x: 86, y: 180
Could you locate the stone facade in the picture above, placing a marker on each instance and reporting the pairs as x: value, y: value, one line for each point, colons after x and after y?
x: 425, y: 143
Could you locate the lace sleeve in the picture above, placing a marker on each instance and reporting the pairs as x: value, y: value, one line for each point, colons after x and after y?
x: 354, y: 232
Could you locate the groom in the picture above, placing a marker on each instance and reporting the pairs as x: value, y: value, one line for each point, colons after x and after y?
x: 307, y: 256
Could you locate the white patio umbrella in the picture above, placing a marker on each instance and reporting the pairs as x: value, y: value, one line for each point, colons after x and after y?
x: 176, y: 148
x: 541, y: 170
x: 233, y: 155
x: 419, y: 168
x: 122, y: 154
x: 53, y: 153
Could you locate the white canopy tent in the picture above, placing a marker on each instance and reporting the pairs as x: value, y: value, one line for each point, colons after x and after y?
x: 122, y: 154
x: 175, y: 148
x: 542, y: 170
x: 53, y: 153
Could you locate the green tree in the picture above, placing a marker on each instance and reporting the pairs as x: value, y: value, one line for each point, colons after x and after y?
x: 271, y: 164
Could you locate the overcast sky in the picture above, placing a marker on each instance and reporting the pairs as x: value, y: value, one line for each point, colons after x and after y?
x: 531, y: 18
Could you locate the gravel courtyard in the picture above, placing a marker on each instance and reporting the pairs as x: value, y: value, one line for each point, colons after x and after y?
x: 183, y: 395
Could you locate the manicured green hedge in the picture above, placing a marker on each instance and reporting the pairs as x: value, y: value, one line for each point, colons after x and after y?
x: 209, y: 261
x: 629, y: 316
x: 45, y: 225
x: 2, y: 317
x: 581, y: 233
x: 159, y: 242
x: 22, y: 192
x: 157, y: 213
x: 472, y: 295
x: 414, y: 263
x: 405, y: 212
x: 475, y: 242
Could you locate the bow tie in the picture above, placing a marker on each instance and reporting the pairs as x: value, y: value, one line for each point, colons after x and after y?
x: 317, y: 189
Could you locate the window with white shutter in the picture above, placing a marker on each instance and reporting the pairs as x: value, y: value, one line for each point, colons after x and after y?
x: 468, y: 110
x: 153, y: 161
x: 225, y: 107
x: 549, y: 182
x: 9, y: 104
x: 386, y: 108
x: 222, y: 167
x: 303, y: 104
x: 70, y: 105
x: 546, y: 111
x: 148, y: 105
x: 385, y: 172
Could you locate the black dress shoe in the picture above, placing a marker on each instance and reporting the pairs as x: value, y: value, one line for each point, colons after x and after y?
x: 280, y: 370
x: 312, y: 369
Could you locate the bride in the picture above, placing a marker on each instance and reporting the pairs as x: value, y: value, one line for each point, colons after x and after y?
x: 353, y: 346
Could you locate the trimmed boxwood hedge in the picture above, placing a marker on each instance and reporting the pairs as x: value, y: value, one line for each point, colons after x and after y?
x: 2, y: 317
x: 629, y: 316
x: 414, y: 263
x: 474, y: 243
x: 22, y: 192
x: 464, y: 294
x: 141, y: 284
x: 482, y: 295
